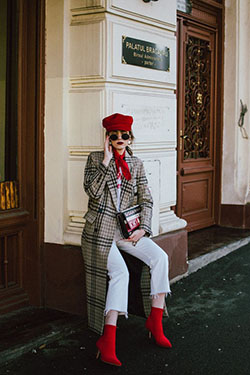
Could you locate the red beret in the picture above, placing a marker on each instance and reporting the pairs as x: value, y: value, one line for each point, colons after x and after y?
x: 117, y: 121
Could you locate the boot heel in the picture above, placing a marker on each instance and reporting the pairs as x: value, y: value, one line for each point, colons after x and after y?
x: 154, y: 326
x: 98, y: 354
x: 106, y: 346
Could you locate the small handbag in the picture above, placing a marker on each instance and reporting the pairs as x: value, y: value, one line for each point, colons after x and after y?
x: 129, y: 220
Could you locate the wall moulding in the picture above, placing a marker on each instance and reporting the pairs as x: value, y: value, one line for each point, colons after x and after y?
x: 77, y: 200
x: 147, y: 12
x: 87, y: 5
x: 85, y: 111
x: 168, y: 148
x: 154, y: 115
x: 79, y: 82
x: 94, y: 80
x: 118, y: 30
x: 139, y: 148
x: 84, y: 19
x: 96, y: 52
x: 167, y: 168
x: 150, y: 13
x: 76, y: 218
x: 165, y: 207
x: 82, y: 152
x: 87, y: 51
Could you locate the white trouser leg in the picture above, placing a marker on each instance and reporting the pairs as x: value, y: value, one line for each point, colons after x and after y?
x: 117, y: 296
x: 151, y: 254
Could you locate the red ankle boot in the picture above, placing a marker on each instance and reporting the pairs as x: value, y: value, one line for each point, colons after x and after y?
x: 154, y: 325
x: 106, y: 346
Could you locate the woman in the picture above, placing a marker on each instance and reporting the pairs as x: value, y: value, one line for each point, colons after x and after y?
x: 115, y: 180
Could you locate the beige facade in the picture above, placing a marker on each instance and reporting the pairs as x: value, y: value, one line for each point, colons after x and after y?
x: 236, y: 148
x: 87, y: 80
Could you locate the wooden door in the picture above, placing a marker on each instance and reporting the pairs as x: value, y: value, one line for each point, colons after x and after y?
x: 21, y: 156
x: 197, y: 97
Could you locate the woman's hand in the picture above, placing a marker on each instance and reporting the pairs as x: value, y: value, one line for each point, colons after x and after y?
x: 136, y: 236
x: 108, y: 153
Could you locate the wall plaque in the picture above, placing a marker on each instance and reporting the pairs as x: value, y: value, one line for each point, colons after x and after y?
x: 145, y: 54
x: 184, y: 6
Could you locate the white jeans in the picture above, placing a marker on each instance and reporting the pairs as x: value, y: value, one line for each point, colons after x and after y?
x: 147, y: 251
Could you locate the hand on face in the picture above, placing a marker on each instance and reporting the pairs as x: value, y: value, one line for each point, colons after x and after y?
x: 119, y: 144
x: 108, y: 153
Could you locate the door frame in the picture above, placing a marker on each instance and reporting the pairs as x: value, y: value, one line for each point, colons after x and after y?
x: 208, y: 15
x: 27, y: 221
x: 31, y: 112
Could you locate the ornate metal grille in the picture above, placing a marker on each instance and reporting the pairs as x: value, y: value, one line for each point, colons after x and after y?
x: 197, y: 99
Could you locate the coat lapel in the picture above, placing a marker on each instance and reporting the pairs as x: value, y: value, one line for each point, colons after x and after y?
x: 112, y: 182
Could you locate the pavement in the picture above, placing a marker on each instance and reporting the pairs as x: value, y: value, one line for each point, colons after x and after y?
x: 208, y: 325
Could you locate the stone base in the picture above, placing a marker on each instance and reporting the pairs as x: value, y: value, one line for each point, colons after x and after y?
x: 176, y: 246
x: 233, y: 215
x: 64, y: 278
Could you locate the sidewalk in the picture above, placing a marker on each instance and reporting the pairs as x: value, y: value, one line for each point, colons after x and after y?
x: 31, y: 328
x: 209, y: 328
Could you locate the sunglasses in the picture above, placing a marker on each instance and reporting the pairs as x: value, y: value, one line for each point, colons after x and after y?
x: 114, y: 137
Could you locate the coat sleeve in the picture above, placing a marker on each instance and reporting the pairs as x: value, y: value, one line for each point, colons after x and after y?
x: 96, y: 175
x: 145, y: 200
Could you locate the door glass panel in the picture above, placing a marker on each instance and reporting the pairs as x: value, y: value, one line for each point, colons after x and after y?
x: 197, y: 99
x: 8, y: 104
x: 3, y: 62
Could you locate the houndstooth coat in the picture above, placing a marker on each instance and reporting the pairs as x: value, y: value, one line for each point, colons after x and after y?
x: 100, y: 183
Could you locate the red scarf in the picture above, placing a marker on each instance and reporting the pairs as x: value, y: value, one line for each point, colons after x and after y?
x: 120, y: 162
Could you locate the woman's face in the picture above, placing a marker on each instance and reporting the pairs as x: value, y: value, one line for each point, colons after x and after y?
x: 119, y: 144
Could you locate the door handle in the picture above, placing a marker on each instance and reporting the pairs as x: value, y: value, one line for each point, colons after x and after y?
x: 182, y: 136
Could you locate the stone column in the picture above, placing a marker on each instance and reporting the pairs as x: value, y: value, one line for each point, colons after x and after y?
x: 102, y: 82
x: 56, y: 119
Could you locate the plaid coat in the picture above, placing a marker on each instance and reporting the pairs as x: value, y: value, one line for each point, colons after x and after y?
x: 100, y: 183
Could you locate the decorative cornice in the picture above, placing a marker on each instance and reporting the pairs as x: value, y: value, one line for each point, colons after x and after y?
x: 146, y: 147
x: 80, y: 151
x: 140, y: 17
x: 81, y: 81
x: 89, y: 5
x: 91, y: 81
x: 85, y: 12
x: 81, y: 19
